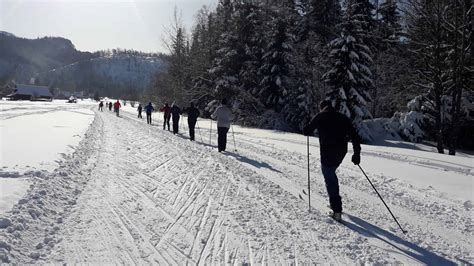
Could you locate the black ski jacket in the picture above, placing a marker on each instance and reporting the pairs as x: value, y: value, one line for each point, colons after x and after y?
x: 334, y: 129
x: 175, y: 112
x: 193, y: 113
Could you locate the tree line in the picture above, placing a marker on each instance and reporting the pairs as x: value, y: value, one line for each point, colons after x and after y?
x: 275, y: 60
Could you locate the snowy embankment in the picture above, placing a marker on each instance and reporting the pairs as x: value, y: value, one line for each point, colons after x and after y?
x: 132, y: 193
x: 34, y: 137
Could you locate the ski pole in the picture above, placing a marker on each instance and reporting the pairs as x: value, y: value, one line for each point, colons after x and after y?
x: 199, y: 129
x: 382, y: 200
x: 210, y: 134
x: 309, y: 187
x: 232, y: 127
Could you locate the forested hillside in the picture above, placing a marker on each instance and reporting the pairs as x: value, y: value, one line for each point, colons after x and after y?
x: 21, y: 58
x: 55, y: 62
x: 275, y: 60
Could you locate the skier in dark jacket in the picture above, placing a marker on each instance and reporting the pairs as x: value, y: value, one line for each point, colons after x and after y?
x: 139, y: 109
x: 334, y: 130
x: 166, y: 115
x: 101, y: 106
x: 193, y: 114
x: 149, y: 109
x: 110, y: 106
x: 175, y: 113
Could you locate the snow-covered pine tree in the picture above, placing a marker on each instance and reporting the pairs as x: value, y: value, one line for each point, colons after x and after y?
x: 350, y: 76
x: 365, y: 19
x: 389, y: 27
x: 320, y: 17
x: 233, y: 52
x: 277, y: 69
x: 458, y: 22
x: 178, y: 45
x: 299, y: 102
x: 428, y: 36
x: 201, y: 55
x: 390, y: 61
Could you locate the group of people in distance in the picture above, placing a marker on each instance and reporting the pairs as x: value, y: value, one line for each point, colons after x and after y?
x: 222, y: 114
x: 334, y: 130
x: 109, y: 105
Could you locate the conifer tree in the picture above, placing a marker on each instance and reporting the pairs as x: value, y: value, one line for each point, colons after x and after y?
x: 350, y: 77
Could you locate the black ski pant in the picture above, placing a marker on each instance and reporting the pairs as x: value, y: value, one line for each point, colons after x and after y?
x: 148, y: 118
x: 140, y: 115
x: 117, y: 112
x: 175, y: 125
x: 191, y: 125
x: 222, y: 138
x: 166, y: 122
x: 332, y: 187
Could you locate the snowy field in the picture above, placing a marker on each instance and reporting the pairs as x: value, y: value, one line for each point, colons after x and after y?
x: 34, y: 136
x: 106, y: 189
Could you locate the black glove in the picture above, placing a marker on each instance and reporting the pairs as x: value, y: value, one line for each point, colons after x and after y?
x: 356, y: 158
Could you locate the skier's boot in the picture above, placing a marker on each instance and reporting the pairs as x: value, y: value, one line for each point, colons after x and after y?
x: 337, y: 216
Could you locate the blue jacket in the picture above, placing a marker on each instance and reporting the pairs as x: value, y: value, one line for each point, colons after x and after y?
x: 149, y: 108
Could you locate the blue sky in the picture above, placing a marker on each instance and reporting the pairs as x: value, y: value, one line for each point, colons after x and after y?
x: 95, y: 25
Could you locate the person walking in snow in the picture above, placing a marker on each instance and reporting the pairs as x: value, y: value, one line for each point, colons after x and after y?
x: 193, y: 114
x: 117, y: 106
x: 139, y: 109
x: 175, y: 113
x: 223, y: 115
x: 101, y: 105
x: 149, y: 109
x: 166, y: 116
x: 334, y: 130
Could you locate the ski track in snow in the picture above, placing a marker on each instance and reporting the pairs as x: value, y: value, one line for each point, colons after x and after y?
x: 133, y: 194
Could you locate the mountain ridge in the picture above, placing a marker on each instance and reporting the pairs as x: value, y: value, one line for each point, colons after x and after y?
x: 56, y: 63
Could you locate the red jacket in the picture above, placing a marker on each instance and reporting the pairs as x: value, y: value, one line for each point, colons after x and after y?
x: 166, y: 110
x: 117, y: 105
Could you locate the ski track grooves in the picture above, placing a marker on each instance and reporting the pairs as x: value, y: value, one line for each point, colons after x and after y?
x: 149, y: 197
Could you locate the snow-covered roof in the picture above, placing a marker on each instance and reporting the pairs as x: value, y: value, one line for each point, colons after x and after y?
x: 38, y: 91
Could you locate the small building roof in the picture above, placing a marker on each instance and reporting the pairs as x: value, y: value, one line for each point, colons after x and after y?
x: 37, y: 91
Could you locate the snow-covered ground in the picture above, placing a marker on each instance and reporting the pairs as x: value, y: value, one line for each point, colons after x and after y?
x: 34, y: 136
x: 133, y: 193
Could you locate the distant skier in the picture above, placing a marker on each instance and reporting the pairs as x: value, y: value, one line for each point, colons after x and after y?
x: 149, y: 109
x: 166, y: 116
x: 175, y: 113
x: 101, y: 105
x: 117, y: 106
x: 334, y: 130
x: 223, y: 115
x: 139, y: 109
x: 110, y: 106
x: 193, y: 114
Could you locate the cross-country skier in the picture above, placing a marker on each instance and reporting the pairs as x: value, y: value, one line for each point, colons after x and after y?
x: 193, y: 114
x: 166, y: 116
x: 149, y: 109
x: 110, y: 106
x: 334, y: 130
x: 223, y: 115
x: 117, y: 106
x: 139, y: 109
x: 175, y: 113
x: 101, y: 105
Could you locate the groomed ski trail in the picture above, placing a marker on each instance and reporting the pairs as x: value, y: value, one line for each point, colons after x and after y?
x: 145, y: 195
